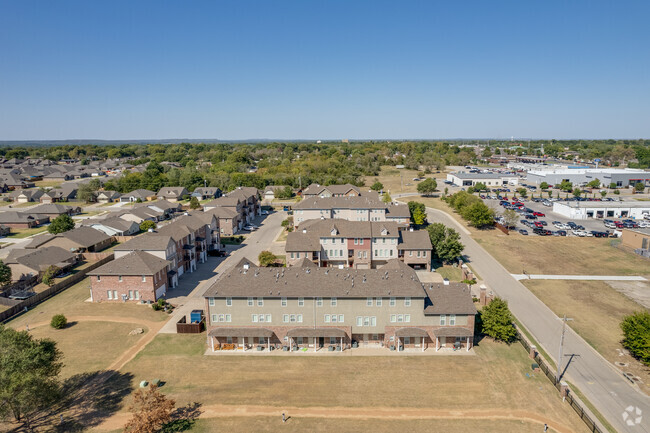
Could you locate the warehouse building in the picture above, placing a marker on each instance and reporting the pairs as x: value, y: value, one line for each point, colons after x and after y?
x: 488, y: 179
x: 602, y: 209
x: 622, y: 177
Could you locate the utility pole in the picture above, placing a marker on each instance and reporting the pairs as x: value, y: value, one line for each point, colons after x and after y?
x: 559, y: 358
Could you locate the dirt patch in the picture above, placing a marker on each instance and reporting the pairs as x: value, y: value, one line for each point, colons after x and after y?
x: 638, y: 291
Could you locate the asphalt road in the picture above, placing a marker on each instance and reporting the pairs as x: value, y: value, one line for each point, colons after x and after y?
x: 598, y: 380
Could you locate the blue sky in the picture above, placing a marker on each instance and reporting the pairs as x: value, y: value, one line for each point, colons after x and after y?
x: 324, y: 69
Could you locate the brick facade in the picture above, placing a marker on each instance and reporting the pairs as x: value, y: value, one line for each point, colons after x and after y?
x: 100, y: 285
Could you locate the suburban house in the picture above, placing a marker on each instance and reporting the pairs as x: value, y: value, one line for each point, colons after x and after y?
x: 138, y: 194
x: 26, y: 195
x: 271, y: 190
x: 365, y: 207
x: 140, y: 214
x: 27, y: 263
x: 135, y: 276
x: 163, y: 207
x: 207, y: 193
x: 79, y: 240
x: 108, y: 196
x: 173, y: 193
x: 316, y: 190
x: 22, y: 220
x: 357, y: 244
x: 158, y: 245
x: 310, y: 308
x: 53, y: 210
x: 113, y: 226
x: 228, y: 218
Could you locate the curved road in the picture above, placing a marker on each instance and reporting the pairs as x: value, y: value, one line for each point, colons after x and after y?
x: 599, y: 381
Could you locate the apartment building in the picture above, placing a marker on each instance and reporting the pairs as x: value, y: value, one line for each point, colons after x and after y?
x: 351, y: 208
x: 161, y: 246
x: 316, y: 190
x: 357, y: 244
x: 310, y: 308
x: 244, y: 201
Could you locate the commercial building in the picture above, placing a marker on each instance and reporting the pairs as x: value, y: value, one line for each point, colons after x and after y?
x: 602, y: 209
x: 636, y: 238
x: 622, y: 177
x: 311, y: 308
x: 492, y: 180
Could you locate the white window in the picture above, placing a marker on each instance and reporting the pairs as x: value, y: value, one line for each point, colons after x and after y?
x: 268, y: 318
x: 261, y: 318
x: 410, y: 253
x: 254, y: 317
x: 260, y: 302
x: 392, y: 302
x: 369, y: 302
x: 301, y: 302
x: 214, y: 318
x: 373, y: 321
x: 327, y: 318
x: 407, y: 318
x: 341, y: 318
x: 285, y: 318
x: 284, y: 302
x: 393, y: 318
x: 360, y: 241
x: 299, y: 318
x: 137, y: 295
x: 228, y: 318
x: 222, y: 317
x: 333, y: 302
x: 119, y: 278
x: 292, y: 318
x: 211, y: 302
x: 378, y: 301
x: 443, y: 320
x: 109, y: 294
x: 356, y: 241
x: 366, y: 321
x: 359, y: 321
x: 400, y: 318
x: 144, y: 279
x: 228, y: 302
x: 452, y: 319
x: 250, y: 302
x: 359, y: 254
x: 407, y: 302
x: 131, y: 294
x: 334, y: 318
x: 319, y: 302
x: 292, y: 255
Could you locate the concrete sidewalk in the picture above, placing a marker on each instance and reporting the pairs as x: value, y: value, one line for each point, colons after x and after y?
x: 578, y: 277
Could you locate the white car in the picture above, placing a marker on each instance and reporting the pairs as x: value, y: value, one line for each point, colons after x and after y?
x: 580, y: 233
x: 643, y: 224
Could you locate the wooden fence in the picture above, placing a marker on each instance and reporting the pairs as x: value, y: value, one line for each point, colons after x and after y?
x: 182, y: 327
x: 576, y: 404
x: 51, y: 291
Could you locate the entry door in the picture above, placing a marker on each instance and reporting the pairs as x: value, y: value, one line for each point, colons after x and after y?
x: 366, y: 338
x: 443, y: 341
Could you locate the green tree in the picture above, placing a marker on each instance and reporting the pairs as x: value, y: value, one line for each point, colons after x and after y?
x: 87, y: 191
x: 480, y: 186
x: 418, y: 212
x: 377, y: 186
x: 61, y: 224
x: 5, y: 274
x: 617, y: 192
x: 387, y: 198
x: 285, y: 193
x: 266, y: 258
x: 194, y: 203
x: 594, y: 183
x: 445, y: 241
x: 146, y: 225
x: 427, y: 186
x: 566, y: 186
x: 543, y: 185
x: 577, y: 192
x: 636, y: 335
x: 639, y: 187
x: 49, y: 274
x: 29, y: 378
x: 612, y: 185
x: 510, y: 217
x: 603, y: 193
x: 478, y: 214
x: 522, y: 192
x: 59, y: 321
x: 497, y: 321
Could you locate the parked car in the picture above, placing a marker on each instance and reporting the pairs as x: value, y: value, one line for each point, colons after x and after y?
x: 538, y: 224
x: 557, y: 224
x: 523, y: 232
x: 561, y: 233
x: 539, y: 214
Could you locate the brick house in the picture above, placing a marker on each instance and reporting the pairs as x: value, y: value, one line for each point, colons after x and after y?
x: 53, y: 210
x: 79, y: 240
x: 173, y: 193
x: 229, y: 222
x: 22, y: 220
x: 415, y: 248
x: 136, y: 276
x: 161, y: 246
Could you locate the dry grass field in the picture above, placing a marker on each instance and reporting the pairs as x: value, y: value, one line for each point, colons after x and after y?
x: 494, y: 379
x: 597, y: 311
x: 399, y: 181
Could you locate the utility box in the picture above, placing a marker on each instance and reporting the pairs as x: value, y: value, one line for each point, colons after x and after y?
x: 196, y: 316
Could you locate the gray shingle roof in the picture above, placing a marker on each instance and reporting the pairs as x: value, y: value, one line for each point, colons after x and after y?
x: 415, y: 240
x: 454, y: 298
x: 135, y: 263
x: 355, y: 202
x: 40, y: 259
x: 146, y: 241
x: 323, y: 282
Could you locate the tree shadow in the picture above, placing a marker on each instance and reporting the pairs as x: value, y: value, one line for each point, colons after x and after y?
x: 183, y: 418
x: 70, y: 324
x: 87, y: 399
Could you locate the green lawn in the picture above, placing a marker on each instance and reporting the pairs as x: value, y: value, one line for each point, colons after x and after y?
x: 23, y: 233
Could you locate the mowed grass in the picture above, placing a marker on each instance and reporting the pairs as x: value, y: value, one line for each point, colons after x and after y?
x: 597, y: 311
x: 396, y: 180
x: 71, y: 302
x: 452, y: 273
x: 493, y: 379
x: 318, y: 425
x: 23, y: 233
x: 89, y: 346
x: 550, y: 254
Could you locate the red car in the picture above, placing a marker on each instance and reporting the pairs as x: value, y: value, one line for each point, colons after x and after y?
x: 538, y: 224
x: 539, y: 214
x: 619, y: 225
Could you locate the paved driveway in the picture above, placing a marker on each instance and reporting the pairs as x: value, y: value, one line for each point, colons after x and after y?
x: 601, y: 383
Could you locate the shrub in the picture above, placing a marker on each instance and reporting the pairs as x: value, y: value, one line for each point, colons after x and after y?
x: 497, y: 321
x: 266, y: 258
x: 636, y: 332
x: 58, y: 321
x: 146, y: 225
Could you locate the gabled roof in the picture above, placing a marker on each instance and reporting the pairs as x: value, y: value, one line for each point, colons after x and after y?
x: 223, y: 201
x: 415, y: 240
x: 397, y: 211
x: 84, y: 237
x: 146, y: 242
x: 298, y: 242
x: 10, y: 217
x: 51, y: 208
x: 352, y: 202
x: 223, y: 212
x: 134, y: 263
x: 176, y: 191
x: 40, y: 259
x: 452, y: 298
x: 140, y: 193
x: 306, y: 263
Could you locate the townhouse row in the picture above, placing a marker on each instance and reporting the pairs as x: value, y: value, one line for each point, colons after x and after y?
x: 303, y: 308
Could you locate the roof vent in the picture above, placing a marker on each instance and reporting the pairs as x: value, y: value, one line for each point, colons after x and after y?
x: 304, y: 230
x: 445, y: 282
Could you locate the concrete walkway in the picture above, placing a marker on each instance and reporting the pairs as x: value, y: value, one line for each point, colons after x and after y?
x: 579, y: 277
x: 599, y: 381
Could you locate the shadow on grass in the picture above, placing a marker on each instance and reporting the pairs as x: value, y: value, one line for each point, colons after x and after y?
x: 183, y: 418
x: 87, y: 399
